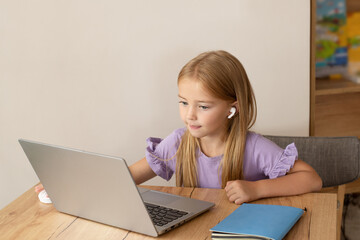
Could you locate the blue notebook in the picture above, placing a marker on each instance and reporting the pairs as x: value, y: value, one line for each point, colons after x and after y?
x: 257, y: 221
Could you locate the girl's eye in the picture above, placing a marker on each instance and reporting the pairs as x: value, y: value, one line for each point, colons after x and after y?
x: 204, y: 107
x: 183, y: 103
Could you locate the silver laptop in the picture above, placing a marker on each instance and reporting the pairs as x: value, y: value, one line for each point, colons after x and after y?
x: 101, y: 188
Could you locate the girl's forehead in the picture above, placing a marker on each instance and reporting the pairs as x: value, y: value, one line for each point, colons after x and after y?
x: 194, y: 84
x: 193, y: 88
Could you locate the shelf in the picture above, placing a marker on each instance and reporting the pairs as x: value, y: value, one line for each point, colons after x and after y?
x: 337, y: 115
x: 353, y: 5
x: 334, y: 103
x: 325, y: 86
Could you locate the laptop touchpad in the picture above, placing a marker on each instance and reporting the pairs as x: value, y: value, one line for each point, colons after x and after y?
x: 158, y: 198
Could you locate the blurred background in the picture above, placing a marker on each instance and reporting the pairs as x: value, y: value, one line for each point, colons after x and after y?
x: 101, y: 76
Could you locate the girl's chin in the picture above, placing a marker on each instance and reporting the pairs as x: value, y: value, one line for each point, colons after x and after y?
x: 195, y: 133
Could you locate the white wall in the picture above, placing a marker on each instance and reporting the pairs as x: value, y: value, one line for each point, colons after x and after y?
x: 101, y: 75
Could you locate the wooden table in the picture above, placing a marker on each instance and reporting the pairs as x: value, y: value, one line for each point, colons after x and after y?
x: 28, y: 218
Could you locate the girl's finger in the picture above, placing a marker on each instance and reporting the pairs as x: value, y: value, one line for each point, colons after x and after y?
x: 39, y: 188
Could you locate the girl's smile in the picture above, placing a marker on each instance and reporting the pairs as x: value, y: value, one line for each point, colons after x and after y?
x: 194, y: 127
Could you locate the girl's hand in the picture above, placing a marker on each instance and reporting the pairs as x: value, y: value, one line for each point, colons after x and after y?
x: 240, y: 191
x: 39, y: 188
x: 43, y: 196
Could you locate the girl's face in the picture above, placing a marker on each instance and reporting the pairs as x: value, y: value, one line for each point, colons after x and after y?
x: 204, y: 115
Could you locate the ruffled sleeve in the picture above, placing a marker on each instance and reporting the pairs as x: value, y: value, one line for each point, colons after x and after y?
x: 160, y: 154
x: 265, y: 159
x: 285, y: 162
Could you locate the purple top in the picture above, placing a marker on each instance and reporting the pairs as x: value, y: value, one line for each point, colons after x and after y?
x: 263, y: 159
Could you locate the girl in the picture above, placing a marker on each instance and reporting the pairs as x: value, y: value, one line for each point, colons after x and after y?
x: 216, y: 148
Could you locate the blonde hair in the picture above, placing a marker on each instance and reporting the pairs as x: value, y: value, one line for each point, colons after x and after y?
x: 225, y: 78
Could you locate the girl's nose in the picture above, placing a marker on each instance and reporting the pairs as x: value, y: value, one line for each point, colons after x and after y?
x: 191, y: 114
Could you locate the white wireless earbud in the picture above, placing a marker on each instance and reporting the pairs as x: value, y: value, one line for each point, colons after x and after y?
x: 233, y: 111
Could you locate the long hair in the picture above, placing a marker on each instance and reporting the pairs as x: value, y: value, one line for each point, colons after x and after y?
x: 225, y: 78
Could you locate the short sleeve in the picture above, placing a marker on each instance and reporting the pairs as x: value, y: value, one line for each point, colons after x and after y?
x: 272, y: 160
x: 285, y: 162
x: 160, y: 153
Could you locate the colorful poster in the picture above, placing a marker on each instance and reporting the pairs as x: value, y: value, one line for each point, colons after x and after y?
x: 331, y: 38
x: 353, y: 33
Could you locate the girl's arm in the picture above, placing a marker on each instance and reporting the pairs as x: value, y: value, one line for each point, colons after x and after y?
x: 302, y: 178
x: 141, y: 171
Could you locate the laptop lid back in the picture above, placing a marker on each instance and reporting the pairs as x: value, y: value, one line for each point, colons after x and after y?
x: 91, y: 186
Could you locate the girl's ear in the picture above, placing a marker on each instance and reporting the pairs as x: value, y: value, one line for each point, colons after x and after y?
x: 233, y: 110
x: 235, y: 105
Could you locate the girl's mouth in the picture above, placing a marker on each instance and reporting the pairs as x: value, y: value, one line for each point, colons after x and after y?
x: 194, y: 127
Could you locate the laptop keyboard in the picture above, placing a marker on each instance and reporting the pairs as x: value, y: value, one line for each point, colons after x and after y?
x: 162, y: 215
